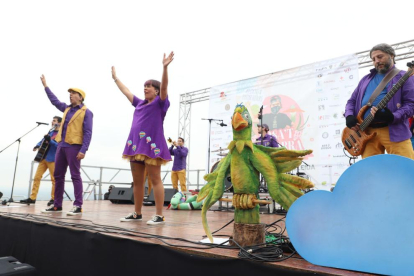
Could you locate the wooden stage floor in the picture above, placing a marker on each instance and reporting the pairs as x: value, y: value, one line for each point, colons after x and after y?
x: 179, y: 224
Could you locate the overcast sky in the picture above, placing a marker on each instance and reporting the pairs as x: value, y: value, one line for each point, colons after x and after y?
x: 75, y: 43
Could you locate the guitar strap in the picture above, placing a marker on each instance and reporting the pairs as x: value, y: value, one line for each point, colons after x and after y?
x: 388, y: 77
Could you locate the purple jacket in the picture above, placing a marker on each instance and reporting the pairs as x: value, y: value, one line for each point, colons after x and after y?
x: 180, y: 157
x: 401, y: 105
x: 268, y: 141
x: 87, y: 122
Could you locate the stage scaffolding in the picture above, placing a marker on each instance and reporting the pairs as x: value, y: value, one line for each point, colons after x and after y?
x: 403, y: 50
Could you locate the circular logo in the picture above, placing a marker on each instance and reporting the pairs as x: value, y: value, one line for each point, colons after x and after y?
x: 325, y: 135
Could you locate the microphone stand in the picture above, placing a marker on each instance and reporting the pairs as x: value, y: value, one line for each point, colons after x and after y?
x: 17, y: 158
x: 209, y: 134
x: 261, y: 124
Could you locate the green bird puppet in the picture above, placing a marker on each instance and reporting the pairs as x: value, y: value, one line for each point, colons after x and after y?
x: 244, y: 163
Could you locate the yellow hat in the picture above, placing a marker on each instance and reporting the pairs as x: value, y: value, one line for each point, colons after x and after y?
x: 80, y: 91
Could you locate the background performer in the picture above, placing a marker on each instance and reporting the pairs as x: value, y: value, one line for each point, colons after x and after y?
x: 180, y: 161
x: 48, y: 162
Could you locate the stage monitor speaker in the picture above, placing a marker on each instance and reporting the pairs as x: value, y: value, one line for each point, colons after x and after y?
x: 168, y: 194
x: 122, y: 196
x: 11, y: 266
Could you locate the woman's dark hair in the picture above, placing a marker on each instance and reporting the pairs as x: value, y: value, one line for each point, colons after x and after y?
x: 154, y: 83
x: 59, y: 119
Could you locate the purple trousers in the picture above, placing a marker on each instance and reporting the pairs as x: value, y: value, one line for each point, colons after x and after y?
x: 67, y: 157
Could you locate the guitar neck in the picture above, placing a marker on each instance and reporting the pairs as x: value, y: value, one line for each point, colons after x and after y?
x: 383, y: 103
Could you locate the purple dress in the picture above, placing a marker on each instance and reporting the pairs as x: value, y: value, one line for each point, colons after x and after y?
x: 146, y: 141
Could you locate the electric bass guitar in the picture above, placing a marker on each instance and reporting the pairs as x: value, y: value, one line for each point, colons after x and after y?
x: 355, y: 140
x: 42, y: 151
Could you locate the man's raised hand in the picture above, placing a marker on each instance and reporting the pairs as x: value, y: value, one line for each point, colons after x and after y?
x: 43, y: 79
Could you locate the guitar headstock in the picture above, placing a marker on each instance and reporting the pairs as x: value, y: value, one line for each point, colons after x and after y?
x: 411, y: 65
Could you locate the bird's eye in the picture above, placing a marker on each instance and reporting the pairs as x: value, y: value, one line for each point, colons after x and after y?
x: 246, y: 116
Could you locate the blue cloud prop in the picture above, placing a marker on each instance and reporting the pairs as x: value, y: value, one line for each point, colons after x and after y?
x: 365, y: 224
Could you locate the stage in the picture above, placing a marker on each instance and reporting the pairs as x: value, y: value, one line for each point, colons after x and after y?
x: 94, y: 243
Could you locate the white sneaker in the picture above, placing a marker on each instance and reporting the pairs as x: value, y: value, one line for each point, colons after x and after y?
x: 156, y: 220
x: 132, y: 217
x: 75, y: 211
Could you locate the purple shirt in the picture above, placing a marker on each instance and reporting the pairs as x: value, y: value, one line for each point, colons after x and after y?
x: 180, y: 157
x: 87, y: 122
x: 147, y: 131
x: 268, y: 141
x: 401, y: 104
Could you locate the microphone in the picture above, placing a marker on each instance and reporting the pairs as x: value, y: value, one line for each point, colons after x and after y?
x: 222, y: 124
x: 39, y: 123
x: 260, y: 113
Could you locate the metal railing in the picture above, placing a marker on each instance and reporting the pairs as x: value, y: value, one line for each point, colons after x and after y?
x: 193, y: 182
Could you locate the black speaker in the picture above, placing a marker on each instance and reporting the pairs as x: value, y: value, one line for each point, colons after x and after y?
x: 11, y: 266
x: 122, y: 196
x: 168, y: 194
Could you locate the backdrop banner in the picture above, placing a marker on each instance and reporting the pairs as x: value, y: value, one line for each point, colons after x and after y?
x: 303, y: 108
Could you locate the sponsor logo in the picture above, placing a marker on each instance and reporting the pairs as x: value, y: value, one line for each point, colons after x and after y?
x: 326, y: 147
x: 336, y: 96
x: 335, y: 105
x: 307, y: 167
x: 320, y: 76
x: 334, y: 72
x: 325, y: 135
x: 335, y: 115
x: 319, y: 90
x: 321, y: 69
x: 342, y: 64
x: 321, y: 107
x: 347, y: 70
x: 216, y: 145
x: 227, y: 107
x: 339, y: 145
x: 324, y: 117
x: 322, y: 99
x: 329, y: 81
x: 334, y: 88
x: 341, y: 78
x: 351, y: 77
x: 337, y: 131
x: 339, y: 156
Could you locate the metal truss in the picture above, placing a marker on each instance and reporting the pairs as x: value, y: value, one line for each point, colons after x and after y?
x: 403, y: 50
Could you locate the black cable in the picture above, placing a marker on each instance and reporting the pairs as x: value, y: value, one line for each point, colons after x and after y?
x: 267, y: 252
x: 116, y: 230
x: 351, y: 158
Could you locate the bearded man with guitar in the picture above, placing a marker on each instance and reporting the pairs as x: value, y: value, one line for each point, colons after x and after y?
x: 46, y: 158
x: 386, y: 96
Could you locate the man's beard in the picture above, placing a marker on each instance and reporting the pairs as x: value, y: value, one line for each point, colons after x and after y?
x: 275, y: 109
x: 387, y: 66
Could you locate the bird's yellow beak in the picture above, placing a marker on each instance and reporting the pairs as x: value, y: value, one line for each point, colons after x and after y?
x: 238, y: 122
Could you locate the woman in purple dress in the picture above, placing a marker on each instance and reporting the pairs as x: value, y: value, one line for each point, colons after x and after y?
x: 146, y: 147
